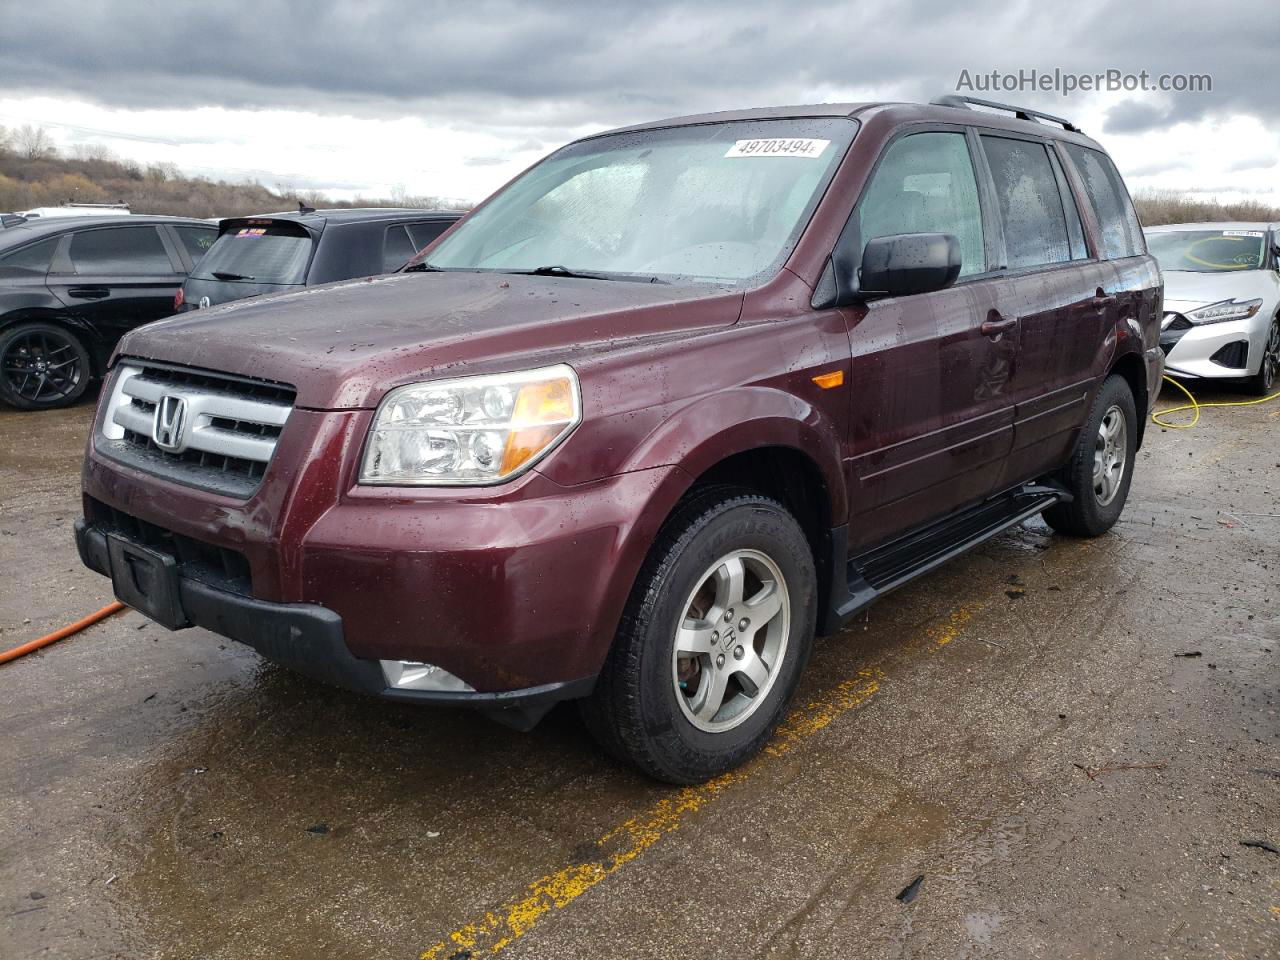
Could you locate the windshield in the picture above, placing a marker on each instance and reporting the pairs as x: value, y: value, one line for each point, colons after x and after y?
x: 1208, y: 251
x: 257, y: 252
x: 721, y: 202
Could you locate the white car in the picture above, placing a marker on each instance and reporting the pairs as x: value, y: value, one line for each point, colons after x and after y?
x: 77, y: 210
x: 1221, y: 300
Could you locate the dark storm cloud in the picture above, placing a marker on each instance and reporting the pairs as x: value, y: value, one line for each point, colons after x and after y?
x: 547, y: 68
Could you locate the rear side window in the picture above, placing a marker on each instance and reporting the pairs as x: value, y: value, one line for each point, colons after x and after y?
x: 925, y: 184
x: 397, y: 248
x: 1121, y: 234
x: 1035, y: 224
x: 197, y: 240
x: 31, y: 259
x: 257, y: 252
x: 423, y: 233
x: 124, y: 251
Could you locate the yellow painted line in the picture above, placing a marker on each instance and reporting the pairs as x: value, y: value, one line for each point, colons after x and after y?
x: 497, y: 929
x: 947, y: 631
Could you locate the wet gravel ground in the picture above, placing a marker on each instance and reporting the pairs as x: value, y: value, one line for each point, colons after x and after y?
x: 1067, y: 740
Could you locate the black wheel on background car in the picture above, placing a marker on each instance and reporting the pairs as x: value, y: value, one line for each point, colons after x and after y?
x: 715, y: 636
x: 1101, y: 466
x: 42, y: 365
x: 1263, y: 383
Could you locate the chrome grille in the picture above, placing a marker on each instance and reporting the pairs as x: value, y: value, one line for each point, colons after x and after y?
x: 218, y: 432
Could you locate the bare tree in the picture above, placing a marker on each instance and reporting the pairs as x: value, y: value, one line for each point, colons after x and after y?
x: 5, y: 138
x: 34, y: 143
x: 92, y: 152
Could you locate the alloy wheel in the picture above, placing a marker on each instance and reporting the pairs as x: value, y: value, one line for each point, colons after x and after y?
x: 1110, y: 455
x: 731, y: 640
x: 1271, y: 358
x: 41, y: 367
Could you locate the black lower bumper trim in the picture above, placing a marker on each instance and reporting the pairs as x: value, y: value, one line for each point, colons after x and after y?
x: 308, y: 638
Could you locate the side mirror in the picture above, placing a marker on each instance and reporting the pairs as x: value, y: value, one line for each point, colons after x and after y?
x: 908, y: 263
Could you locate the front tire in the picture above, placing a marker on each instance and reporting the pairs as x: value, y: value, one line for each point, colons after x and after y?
x: 1263, y: 383
x: 42, y: 366
x: 1101, y: 466
x: 714, y: 639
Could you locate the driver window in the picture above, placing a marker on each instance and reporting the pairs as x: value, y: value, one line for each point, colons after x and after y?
x: 925, y: 184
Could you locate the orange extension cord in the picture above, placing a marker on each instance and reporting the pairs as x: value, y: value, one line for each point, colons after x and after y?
x: 57, y: 635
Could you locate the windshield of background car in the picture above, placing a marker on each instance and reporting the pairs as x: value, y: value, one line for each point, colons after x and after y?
x: 1208, y: 251
x: 716, y: 202
x: 257, y: 252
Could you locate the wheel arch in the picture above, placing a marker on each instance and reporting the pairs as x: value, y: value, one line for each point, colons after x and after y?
x: 85, y: 332
x: 1131, y: 367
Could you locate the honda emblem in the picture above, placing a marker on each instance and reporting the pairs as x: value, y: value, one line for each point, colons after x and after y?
x: 168, y: 429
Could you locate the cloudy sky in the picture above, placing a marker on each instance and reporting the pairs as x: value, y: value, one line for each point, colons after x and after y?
x: 452, y: 98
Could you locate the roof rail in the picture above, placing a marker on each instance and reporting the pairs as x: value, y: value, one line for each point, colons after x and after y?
x: 1022, y: 113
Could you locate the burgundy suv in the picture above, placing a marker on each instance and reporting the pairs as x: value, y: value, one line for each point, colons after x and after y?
x: 673, y: 401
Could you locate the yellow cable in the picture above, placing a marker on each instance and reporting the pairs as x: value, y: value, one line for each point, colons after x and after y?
x: 1197, y: 406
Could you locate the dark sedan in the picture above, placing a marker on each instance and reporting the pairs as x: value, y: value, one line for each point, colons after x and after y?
x: 70, y: 287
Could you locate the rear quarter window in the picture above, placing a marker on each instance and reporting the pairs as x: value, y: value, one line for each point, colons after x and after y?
x: 1121, y: 232
x: 33, y: 259
x: 197, y: 240
x: 397, y: 248
x: 425, y: 232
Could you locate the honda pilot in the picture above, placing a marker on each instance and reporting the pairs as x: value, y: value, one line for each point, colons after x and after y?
x: 675, y: 401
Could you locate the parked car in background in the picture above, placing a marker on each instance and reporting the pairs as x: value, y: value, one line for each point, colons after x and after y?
x: 77, y: 210
x: 280, y: 251
x: 70, y: 287
x: 1221, y: 300
x: 674, y: 399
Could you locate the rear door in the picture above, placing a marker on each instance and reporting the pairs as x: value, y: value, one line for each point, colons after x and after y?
x: 1055, y: 288
x: 932, y: 419
x: 117, y: 278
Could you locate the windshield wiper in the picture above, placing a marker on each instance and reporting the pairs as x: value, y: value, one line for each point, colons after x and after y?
x: 222, y: 275
x: 556, y: 270
x: 421, y: 267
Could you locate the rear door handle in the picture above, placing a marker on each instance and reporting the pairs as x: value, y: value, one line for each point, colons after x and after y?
x: 996, y: 328
x: 88, y: 293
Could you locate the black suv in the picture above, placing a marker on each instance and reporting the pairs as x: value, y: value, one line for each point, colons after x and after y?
x: 70, y: 287
x: 279, y: 251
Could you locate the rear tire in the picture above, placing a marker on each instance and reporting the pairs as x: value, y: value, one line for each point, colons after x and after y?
x: 692, y: 687
x: 42, y: 366
x: 1101, y: 466
x: 1263, y: 383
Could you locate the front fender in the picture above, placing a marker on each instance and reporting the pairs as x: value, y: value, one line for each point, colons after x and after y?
x: 717, y: 426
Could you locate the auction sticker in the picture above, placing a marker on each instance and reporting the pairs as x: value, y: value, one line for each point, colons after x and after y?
x: 797, y: 147
x: 1242, y: 233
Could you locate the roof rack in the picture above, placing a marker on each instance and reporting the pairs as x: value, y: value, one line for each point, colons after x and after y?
x: 1022, y: 113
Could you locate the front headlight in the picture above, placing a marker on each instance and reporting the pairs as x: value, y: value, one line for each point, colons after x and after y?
x: 472, y: 430
x: 1225, y: 310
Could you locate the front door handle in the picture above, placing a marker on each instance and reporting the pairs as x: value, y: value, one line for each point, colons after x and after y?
x: 997, y: 328
x: 88, y: 293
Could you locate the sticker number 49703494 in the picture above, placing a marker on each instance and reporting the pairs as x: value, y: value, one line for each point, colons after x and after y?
x: 795, y: 147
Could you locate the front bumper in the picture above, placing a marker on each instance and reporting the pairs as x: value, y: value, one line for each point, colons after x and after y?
x: 1215, y: 350
x: 309, y: 638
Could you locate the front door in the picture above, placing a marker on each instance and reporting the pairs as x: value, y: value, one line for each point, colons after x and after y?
x: 932, y: 418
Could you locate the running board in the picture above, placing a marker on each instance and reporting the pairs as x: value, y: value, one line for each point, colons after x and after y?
x: 872, y: 574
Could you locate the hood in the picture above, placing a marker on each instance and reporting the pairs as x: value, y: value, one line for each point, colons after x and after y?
x: 1184, y: 290
x: 344, y: 345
